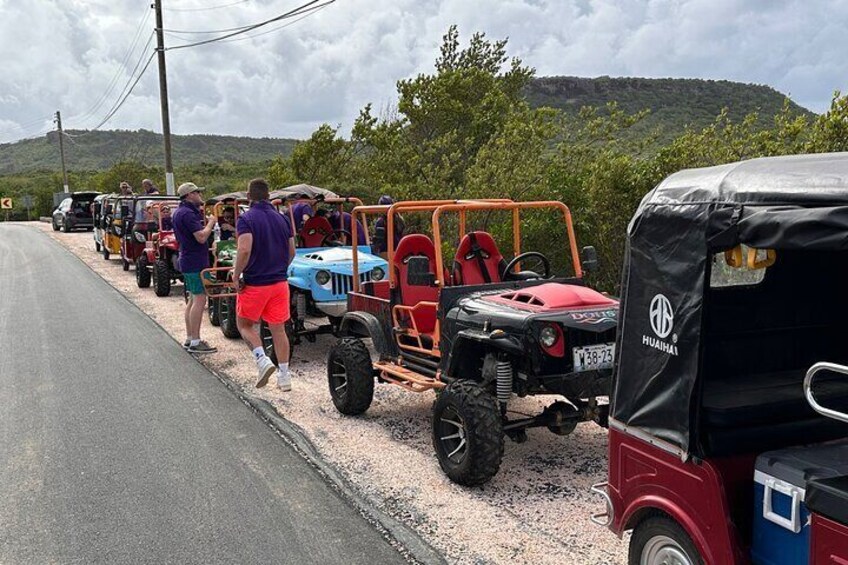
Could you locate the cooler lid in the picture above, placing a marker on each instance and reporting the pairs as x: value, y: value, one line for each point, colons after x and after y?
x: 799, y: 464
x: 829, y: 497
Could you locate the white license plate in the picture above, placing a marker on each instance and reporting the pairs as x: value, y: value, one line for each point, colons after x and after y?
x: 593, y: 357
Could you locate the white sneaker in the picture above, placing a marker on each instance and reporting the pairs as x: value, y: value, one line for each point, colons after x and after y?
x: 284, y: 383
x: 266, y: 369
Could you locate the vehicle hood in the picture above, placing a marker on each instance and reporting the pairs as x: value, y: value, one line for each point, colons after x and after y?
x: 336, y: 259
x: 572, y: 305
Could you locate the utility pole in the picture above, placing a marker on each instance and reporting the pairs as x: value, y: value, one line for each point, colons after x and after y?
x: 163, y: 97
x: 58, y: 122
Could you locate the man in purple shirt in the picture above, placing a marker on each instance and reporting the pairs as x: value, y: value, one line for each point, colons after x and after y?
x: 341, y: 221
x: 191, y: 234
x: 264, y: 250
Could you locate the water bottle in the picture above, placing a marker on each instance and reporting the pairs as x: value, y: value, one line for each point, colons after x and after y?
x: 217, y: 231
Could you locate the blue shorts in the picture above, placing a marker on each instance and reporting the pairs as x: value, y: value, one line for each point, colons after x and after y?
x: 193, y: 283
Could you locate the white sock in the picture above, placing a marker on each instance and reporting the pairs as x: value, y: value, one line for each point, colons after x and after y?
x: 258, y: 353
x: 194, y: 343
x: 283, y: 369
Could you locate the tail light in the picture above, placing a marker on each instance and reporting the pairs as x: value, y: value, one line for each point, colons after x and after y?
x: 552, y: 340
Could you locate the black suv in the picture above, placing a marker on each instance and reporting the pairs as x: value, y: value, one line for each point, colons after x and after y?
x: 75, y: 212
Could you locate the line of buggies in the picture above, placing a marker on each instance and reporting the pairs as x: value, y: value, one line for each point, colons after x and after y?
x: 725, y: 364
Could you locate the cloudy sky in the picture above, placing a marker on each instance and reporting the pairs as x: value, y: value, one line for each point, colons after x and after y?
x: 78, y: 55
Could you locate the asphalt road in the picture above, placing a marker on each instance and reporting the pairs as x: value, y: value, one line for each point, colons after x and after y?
x: 117, y: 447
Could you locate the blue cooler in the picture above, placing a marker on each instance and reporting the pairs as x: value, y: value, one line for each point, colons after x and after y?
x: 781, y: 520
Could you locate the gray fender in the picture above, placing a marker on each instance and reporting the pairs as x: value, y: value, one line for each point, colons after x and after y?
x: 364, y: 324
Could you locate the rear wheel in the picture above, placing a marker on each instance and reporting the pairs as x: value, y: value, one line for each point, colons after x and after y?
x: 161, y: 278
x: 351, y: 376
x: 659, y: 540
x: 467, y: 433
x: 142, y: 272
x: 227, y: 314
x: 65, y: 227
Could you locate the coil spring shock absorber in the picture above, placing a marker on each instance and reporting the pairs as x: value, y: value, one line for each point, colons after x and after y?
x: 300, y: 306
x: 503, y: 371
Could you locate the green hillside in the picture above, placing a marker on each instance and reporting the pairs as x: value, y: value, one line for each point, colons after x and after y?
x: 88, y: 151
x: 674, y: 103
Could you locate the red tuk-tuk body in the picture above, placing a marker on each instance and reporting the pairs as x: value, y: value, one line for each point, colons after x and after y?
x: 728, y: 439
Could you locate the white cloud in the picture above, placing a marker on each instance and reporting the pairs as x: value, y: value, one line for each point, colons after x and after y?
x: 63, y: 55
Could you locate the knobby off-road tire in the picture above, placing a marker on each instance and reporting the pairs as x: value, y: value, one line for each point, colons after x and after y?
x: 350, y: 376
x: 213, y: 311
x: 142, y: 272
x: 660, y: 539
x: 467, y: 433
x: 161, y: 278
x: 227, y: 315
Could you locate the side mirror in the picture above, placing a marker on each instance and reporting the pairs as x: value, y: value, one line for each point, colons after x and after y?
x: 418, y: 272
x: 589, y: 259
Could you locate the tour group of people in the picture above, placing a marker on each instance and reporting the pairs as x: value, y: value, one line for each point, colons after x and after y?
x: 265, y: 248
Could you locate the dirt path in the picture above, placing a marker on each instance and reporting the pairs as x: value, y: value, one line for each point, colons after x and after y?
x: 536, y: 510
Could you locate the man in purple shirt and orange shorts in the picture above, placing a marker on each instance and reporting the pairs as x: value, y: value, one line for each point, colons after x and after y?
x: 264, y: 250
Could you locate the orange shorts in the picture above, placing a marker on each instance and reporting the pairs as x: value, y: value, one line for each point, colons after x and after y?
x: 269, y: 302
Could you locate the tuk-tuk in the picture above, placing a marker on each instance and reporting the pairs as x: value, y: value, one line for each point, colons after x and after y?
x: 113, y: 212
x: 97, y: 214
x: 728, y: 432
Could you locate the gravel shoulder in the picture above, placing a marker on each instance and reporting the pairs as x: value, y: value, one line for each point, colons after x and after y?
x: 536, y: 510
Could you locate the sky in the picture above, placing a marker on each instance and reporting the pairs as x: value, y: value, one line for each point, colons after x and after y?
x: 285, y: 81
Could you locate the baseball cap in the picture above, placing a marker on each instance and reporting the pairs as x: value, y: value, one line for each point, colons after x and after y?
x: 188, y: 187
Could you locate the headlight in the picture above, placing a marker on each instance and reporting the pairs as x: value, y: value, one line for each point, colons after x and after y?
x: 322, y: 277
x: 548, y: 336
x: 139, y: 237
x: 377, y: 274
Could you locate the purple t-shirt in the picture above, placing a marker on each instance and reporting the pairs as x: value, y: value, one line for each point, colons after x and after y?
x: 194, y: 256
x: 269, y: 256
x: 345, y: 225
x: 300, y: 211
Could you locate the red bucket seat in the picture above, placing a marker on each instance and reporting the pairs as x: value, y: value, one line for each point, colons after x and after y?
x: 314, y: 231
x: 477, y: 260
x: 416, y: 245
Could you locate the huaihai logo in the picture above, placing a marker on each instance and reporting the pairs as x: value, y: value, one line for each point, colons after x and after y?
x: 661, y: 316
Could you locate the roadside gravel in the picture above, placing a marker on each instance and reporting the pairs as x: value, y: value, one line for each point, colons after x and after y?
x: 536, y: 510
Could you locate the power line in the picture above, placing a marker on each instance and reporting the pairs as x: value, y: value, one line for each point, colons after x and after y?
x: 290, y: 14
x: 312, y: 11
x: 207, y: 8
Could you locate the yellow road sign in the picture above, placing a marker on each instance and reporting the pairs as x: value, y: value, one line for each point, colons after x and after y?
x: 5, y: 203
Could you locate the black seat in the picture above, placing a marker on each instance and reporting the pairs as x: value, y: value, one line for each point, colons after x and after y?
x: 753, y: 413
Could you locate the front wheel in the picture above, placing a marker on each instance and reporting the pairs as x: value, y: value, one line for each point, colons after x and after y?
x: 97, y: 246
x: 351, y: 376
x: 658, y: 540
x: 467, y: 433
x: 142, y: 272
x: 56, y: 226
x: 65, y: 227
x: 227, y: 314
x: 268, y: 340
x: 214, y: 313
x: 161, y: 278
x: 125, y: 265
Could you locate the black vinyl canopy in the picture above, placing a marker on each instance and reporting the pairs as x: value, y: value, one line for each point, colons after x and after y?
x: 782, y: 203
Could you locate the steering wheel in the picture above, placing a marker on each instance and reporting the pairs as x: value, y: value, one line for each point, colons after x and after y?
x: 333, y: 237
x: 543, y: 261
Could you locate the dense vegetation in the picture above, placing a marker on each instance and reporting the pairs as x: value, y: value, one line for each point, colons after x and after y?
x: 674, y: 104
x: 98, y: 150
x: 467, y: 130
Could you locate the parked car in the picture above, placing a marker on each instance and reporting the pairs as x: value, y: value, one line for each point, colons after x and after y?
x: 74, y: 212
x: 728, y: 431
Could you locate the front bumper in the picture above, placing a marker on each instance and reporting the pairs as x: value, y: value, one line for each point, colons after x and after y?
x: 333, y: 308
